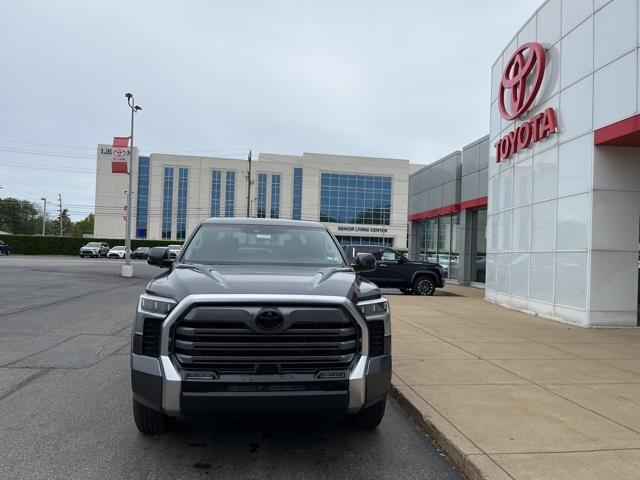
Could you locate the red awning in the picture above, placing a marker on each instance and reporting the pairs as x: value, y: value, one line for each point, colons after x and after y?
x: 625, y: 133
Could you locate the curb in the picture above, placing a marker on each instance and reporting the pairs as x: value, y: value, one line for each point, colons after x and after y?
x: 462, y: 461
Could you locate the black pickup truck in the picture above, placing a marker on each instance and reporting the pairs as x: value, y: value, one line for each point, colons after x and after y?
x: 394, y: 270
x: 260, y: 314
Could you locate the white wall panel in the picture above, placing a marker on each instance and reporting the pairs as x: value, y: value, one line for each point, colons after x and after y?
x: 571, y: 279
x: 615, y: 31
x: 614, y: 95
x: 573, y: 222
x: 574, y: 12
x: 577, y: 54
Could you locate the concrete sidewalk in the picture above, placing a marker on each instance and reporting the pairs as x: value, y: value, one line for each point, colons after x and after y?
x: 513, y: 396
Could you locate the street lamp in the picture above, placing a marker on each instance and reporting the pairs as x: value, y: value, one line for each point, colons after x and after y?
x: 44, y: 215
x: 127, y: 268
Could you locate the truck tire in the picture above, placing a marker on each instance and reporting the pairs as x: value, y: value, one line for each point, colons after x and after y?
x: 424, y: 285
x: 149, y: 421
x: 369, y: 417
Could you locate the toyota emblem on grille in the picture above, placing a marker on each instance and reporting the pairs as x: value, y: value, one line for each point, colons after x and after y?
x: 269, y: 319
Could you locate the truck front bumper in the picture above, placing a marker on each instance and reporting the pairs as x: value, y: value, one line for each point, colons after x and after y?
x: 160, y: 384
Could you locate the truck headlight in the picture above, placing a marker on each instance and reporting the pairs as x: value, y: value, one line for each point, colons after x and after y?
x: 152, y: 306
x: 374, y: 308
x: 156, y: 305
x: 377, y: 309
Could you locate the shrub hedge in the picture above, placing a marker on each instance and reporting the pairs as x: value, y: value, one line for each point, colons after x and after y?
x: 39, y: 245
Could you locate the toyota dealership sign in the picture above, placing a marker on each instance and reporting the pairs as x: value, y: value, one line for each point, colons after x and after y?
x: 519, y: 86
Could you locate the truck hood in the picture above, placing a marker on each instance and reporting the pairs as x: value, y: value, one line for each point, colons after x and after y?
x: 185, y: 279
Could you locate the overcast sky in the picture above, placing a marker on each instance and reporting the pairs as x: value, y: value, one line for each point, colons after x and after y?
x: 396, y: 78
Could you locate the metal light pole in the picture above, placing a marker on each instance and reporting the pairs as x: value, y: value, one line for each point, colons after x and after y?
x: 127, y: 268
x: 44, y: 215
x: 60, y: 210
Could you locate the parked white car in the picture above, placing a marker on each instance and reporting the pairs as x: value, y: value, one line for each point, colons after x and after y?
x: 174, y: 250
x: 116, y: 252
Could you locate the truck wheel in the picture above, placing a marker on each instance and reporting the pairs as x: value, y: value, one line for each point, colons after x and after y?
x: 424, y: 286
x: 149, y: 421
x: 369, y: 417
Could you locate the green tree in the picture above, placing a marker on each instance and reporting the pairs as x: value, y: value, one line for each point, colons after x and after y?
x: 67, y: 224
x: 18, y: 216
x: 85, y: 225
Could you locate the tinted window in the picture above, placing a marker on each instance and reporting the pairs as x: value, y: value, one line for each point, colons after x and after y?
x: 388, y: 255
x: 266, y: 244
x: 376, y: 251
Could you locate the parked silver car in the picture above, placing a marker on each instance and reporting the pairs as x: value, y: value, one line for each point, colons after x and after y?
x: 94, y: 249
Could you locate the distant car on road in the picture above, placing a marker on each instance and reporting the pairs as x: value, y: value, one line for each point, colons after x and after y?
x: 94, y: 249
x: 394, y: 270
x: 4, y: 248
x: 140, y: 252
x: 174, y: 250
x: 116, y: 252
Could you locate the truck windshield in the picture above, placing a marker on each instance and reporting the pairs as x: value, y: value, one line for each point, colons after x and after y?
x: 262, y: 244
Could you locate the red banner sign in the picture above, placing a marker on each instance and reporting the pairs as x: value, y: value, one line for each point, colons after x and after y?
x: 120, y: 142
x: 119, y: 167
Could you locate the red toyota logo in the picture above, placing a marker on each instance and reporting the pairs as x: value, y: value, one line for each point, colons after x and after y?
x: 528, y: 57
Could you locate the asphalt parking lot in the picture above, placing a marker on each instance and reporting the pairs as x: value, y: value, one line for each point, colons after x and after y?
x: 66, y: 402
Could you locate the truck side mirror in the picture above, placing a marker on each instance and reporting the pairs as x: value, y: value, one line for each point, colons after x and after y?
x: 159, y: 256
x: 364, y: 262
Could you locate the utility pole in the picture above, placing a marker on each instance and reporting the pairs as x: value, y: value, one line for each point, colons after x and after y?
x: 60, y: 211
x: 127, y: 268
x: 249, y: 183
x: 44, y: 216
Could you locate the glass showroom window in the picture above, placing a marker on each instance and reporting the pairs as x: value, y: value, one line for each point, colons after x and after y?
x: 230, y: 194
x: 359, y: 199
x: 216, y: 187
x: 181, y: 219
x: 275, y: 196
x: 438, y: 243
x: 346, y: 240
x: 478, y: 245
x: 142, y: 209
x: 428, y: 241
x: 296, y: 213
x: 262, y: 196
x: 167, y: 202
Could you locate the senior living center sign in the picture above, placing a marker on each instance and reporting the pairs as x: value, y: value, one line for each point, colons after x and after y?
x: 519, y: 86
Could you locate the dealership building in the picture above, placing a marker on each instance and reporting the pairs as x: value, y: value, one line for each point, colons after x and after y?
x: 448, y: 213
x: 361, y: 199
x: 564, y: 165
x: 545, y: 210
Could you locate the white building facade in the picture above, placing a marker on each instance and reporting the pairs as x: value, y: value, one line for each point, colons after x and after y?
x: 564, y: 165
x: 361, y: 199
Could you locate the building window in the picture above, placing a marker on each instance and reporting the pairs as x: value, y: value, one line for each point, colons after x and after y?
x: 262, y: 196
x: 230, y: 194
x: 167, y: 202
x: 275, y: 196
x: 181, y: 219
x: 296, y: 213
x: 216, y: 186
x: 438, y: 243
x: 359, y: 199
x: 349, y: 240
x: 142, y: 208
x: 478, y: 245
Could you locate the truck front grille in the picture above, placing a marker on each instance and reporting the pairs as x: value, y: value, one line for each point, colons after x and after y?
x: 226, y: 339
